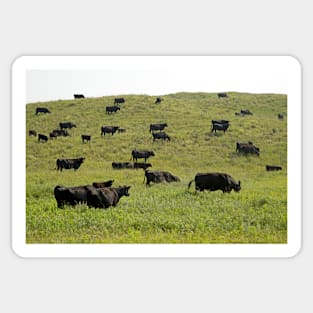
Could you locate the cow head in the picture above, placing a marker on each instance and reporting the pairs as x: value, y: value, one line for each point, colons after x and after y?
x: 124, y: 190
x: 237, y: 187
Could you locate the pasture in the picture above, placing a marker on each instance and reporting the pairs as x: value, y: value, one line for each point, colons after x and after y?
x: 162, y: 213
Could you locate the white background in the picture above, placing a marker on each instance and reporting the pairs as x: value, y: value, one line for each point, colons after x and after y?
x: 155, y: 28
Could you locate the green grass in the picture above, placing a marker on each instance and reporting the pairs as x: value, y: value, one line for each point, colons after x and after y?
x: 163, y: 213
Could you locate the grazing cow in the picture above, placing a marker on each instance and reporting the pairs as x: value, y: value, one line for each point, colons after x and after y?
x: 104, y: 184
x: 161, y: 135
x: 79, y: 96
x: 32, y: 133
x: 245, y: 112
x: 247, y: 148
x: 59, y: 132
x: 222, y: 127
x: 71, y: 195
x: 119, y: 100
x: 158, y: 100
x: 142, y: 165
x: 222, y: 95
x: 157, y: 126
x: 159, y: 177
x: 42, y: 137
x: 67, y: 125
x: 141, y: 154
x: 108, y: 129
x: 112, y: 109
x: 69, y: 163
x: 273, y: 168
x: 106, y: 197
x: 42, y: 110
x: 280, y: 116
x: 215, y: 181
x: 86, y: 137
x: 121, y: 165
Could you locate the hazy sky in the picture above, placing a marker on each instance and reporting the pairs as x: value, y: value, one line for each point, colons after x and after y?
x: 265, y: 76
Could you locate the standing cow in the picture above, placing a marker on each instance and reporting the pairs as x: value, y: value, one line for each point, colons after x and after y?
x: 69, y: 163
x: 79, y: 96
x: 112, y: 109
x: 215, y: 181
x: 119, y: 100
x: 108, y: 129
x: 67, y: 125
x: 141, y: 154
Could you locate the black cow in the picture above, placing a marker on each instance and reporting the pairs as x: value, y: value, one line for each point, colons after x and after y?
x: 121, y: 165
x: 59, y: 132
x: 141, y: 154
x: 119, y: 100
x: 86, y: 137
x: 32, y: 133
x: 69, y: 163
x: 106, y: 197
x: 158, y: 100
x: 108, y: 129
x: 247, y: 148
x: 42, y: 137
x: 245, y: 112
x: 112, y: 109
x: 71, y: 195
x: 215, y: 181
x: 42, y: 110
x: 67, y: 125
x: 217, y: 126
x: 79, y: 96
x: 142, y: 165
x: 222, y: 95
x: 104, y: 184
x: 280, y: 116
x: 273, y: 168
x: 159, y: 177
x: 157, y: 126
x: 161, y: 135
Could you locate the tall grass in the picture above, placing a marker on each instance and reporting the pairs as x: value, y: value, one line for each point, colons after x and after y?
x: 163, y: 213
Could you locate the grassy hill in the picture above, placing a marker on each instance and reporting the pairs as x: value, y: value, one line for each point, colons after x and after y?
x: 163, y: 213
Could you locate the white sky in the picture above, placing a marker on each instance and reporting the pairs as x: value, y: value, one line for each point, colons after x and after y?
x: 245, y: 74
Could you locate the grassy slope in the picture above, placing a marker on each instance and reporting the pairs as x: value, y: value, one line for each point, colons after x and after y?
x: 165, y: 212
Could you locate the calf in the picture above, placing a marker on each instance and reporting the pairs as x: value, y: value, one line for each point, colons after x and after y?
x: 86, y: 137
x: 42, y: 137
x: 32, y: 133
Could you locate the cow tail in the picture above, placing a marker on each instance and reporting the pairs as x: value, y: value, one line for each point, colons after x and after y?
x: 190, y: 183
